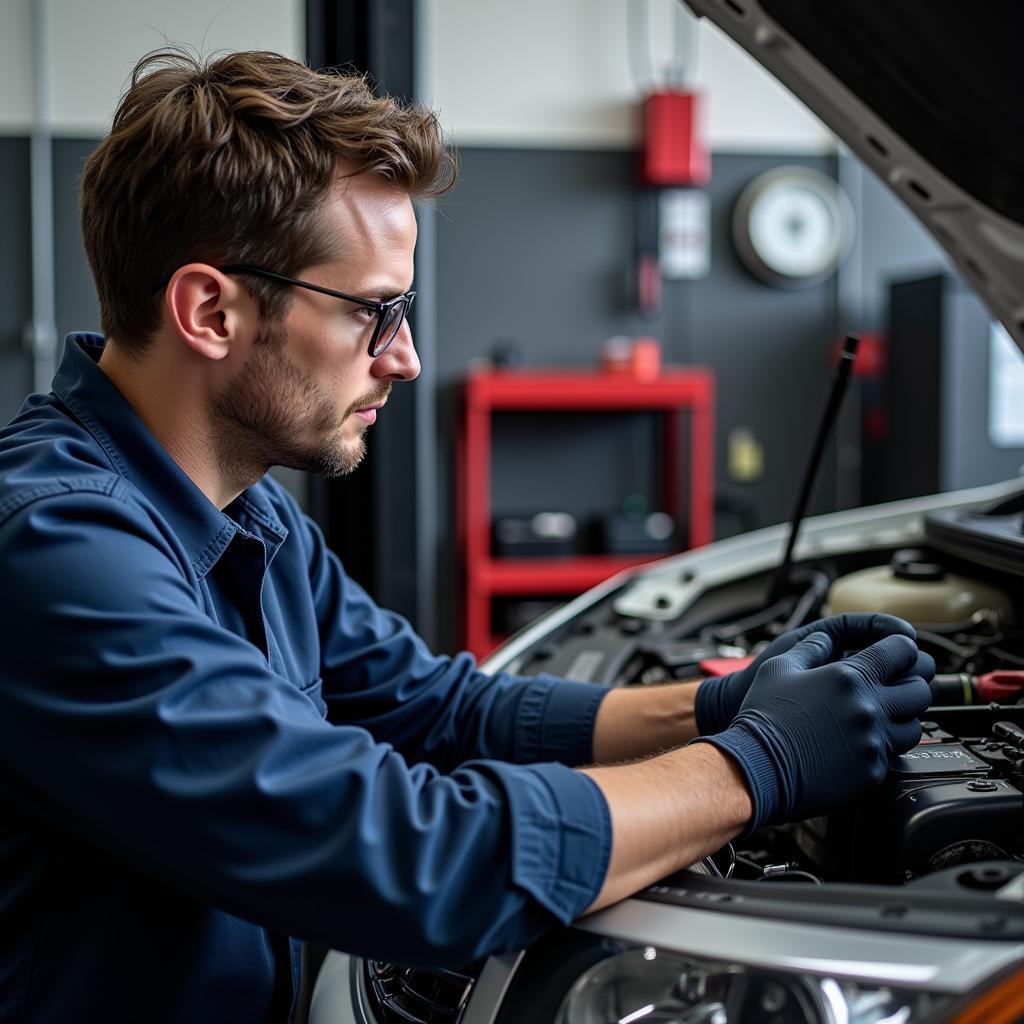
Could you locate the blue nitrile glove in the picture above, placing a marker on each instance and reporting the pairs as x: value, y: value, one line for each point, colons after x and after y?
x: 718, y: 699
x: 813, y: 734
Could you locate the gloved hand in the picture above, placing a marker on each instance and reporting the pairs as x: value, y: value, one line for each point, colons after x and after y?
x: 718, y: 699
x: 813, y: 734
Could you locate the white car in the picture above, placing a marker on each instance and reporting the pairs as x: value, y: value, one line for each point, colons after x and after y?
x: 909, y: 907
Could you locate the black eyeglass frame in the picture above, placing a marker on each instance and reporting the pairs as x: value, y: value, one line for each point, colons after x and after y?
x: 380, y: 308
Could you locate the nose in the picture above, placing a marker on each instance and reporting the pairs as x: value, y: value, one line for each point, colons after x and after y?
x: 399, y: 360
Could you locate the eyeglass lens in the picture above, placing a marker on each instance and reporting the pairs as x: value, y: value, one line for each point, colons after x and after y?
x: 390, y: 326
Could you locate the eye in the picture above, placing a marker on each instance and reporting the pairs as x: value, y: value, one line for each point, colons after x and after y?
x: 364, y: 314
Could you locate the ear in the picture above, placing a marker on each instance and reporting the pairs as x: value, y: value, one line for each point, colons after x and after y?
x: 209, y: 311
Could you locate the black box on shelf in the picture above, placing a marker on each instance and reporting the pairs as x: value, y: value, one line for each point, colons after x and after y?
x: 623, y: 533
x: 544, y: 534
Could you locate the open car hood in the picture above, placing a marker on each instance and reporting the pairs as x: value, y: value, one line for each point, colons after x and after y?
x: 927, y: 93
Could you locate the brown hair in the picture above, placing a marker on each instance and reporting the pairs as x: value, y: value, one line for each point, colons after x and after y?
x: 229, y: 161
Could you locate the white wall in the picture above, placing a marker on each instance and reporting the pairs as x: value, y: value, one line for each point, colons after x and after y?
x: 557, y: 73
x: 502, y: 73
x: 93, y: 44
x: 15, y: 66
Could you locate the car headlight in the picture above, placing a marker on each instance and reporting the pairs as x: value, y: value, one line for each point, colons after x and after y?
x: 651, y: 986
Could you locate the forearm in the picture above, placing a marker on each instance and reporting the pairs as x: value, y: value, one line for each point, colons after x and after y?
x: 643, y: 720
x: 666, y: 813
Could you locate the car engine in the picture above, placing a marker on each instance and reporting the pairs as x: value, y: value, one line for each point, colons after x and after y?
x: 956, y: 799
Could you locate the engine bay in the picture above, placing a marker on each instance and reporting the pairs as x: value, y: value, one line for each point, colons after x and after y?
x: 936, y: 850
x: 957, y: 799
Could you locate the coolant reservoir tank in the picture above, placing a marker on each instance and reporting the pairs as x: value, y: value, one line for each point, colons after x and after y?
x: 916, y: 588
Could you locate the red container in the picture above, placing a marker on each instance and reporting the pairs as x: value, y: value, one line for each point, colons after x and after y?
x: 672, y: 152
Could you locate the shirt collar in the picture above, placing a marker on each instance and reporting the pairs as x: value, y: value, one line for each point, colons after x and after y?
x: 202, y: 528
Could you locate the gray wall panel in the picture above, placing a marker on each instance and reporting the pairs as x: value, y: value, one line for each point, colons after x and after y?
x: 894, y: 246
x: 15, y: 274
x: 77, y: 308
x: 537, y: 247
x: 75, y: 295
x: 769, y: 348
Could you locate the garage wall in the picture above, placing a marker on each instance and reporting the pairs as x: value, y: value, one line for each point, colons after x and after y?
x: 91, y: 48
x: 16, y: 92
x: 15, y: 273
x: 535, y: 251
x: 559, y: 75
x: 535, y: 248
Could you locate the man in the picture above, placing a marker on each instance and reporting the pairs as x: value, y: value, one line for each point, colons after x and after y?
x: 213, y: 741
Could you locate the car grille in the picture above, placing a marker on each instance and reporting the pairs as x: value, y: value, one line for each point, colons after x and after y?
x: 410, y: 995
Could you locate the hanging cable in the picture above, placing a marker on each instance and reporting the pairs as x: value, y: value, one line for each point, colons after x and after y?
x: 731, y: 868
x: 641, y: 67
x: 684, y: 62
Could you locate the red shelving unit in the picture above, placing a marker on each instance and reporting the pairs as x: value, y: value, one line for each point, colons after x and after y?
x: 674, y: 392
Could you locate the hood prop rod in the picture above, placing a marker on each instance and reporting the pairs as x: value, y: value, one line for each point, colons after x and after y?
x: 840, y: 383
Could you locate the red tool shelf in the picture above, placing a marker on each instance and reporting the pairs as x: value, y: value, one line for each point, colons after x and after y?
x: 553, y: 575
x: 676, y: 391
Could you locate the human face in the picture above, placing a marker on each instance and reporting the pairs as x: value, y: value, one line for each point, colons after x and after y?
x: 309, y: 390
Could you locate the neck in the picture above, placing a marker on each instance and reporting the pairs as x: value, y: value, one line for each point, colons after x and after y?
x: 174, y: 403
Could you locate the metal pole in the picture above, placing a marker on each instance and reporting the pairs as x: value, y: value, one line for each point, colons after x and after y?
x: 41, y: 332
x: 427, y: 516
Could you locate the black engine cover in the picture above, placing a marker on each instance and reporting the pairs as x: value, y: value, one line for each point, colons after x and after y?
x: 939, y: 806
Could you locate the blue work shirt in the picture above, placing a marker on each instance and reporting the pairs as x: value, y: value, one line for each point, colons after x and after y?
x: 213, y: 740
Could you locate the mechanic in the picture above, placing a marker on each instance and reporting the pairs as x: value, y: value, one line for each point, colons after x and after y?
x: 214, y: 742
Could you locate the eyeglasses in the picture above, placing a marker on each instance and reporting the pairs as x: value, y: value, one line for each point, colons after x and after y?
x: 390, y: 315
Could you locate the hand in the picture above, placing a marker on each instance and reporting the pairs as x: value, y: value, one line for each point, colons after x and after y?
x: 813, y: 734
x: 718, y: 699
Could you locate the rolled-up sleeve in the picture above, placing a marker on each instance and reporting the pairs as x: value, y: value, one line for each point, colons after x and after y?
x: 168, y: 741
x: 562, y: 834
x: 379, y: 674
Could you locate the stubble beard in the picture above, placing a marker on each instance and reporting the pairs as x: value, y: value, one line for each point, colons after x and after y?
x: 267, y: 411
